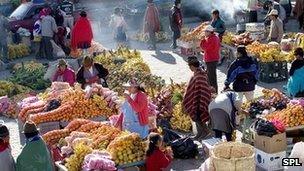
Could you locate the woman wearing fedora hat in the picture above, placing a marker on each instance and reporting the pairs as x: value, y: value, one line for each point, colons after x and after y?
x: 35, y: 154
x: 135, y: 109
x: 7, y: 162
x: 64, y: 73
x: 276, y: 27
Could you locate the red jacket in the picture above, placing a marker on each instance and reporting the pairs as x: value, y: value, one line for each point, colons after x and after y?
x: 82, y: 34
x: 68, y: 76
x: 157, y: 161
x: 211, y: 47
x: 140, y: 105
x: 152, y: 21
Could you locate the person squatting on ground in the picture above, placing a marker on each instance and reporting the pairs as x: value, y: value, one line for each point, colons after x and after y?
x: 151, y: 23
x: 64, y: 73
x: 197, y: 98
x: 176, y: 22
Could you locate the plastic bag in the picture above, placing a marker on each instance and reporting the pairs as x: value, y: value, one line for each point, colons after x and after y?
x: 169, y: 135
x: 98, y: 161
x: 184, y: 148
x: 57, y: 51
x: 265, y: 128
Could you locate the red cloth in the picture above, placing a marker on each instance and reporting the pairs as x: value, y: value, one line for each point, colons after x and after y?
x: 3, y: 146
x: 152, y: 21
x: 68, y: 76
x: 82, y: 33
x: 197, y: 97
x: 140, y: 105
x: 157, y: 161
x: 211, y: 47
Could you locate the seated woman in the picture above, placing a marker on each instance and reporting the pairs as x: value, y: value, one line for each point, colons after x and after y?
x: 91, y: 72
x: 295, y: 85
x: 157, y: 159
x: 64, y: 73
x: 135, y: 110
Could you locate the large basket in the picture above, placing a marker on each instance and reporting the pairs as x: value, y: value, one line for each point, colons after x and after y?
x: 233, y: 164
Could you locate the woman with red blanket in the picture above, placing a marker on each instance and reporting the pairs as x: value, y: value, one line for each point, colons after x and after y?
x: 82, y: 33
x: 152, y: 23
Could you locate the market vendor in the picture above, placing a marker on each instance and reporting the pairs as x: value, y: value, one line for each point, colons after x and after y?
x: 197, y: 98
x: 211, y: 45
x: 91, y: 72
x: 243, y: 73
x: 135, y: 109
x: 7, y: 162
x: 35, y: 154
x: 64, y: 73
x: 223, y: 110
x: 276, y: 27
x: 218, y: 24
x: 295, y: 85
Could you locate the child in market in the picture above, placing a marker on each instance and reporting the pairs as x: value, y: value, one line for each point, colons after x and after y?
x: 157, y: 159
x: 7, y: 162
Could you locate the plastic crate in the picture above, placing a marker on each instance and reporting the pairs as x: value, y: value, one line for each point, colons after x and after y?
x: 272, y: 72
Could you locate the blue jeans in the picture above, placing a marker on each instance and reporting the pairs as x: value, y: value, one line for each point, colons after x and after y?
x: 176, y: 35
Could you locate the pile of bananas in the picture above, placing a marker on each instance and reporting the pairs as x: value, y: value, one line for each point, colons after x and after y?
x: 18, y: 51
x: 10, y: 89
x: 160, y: 37
x: 124, y: 65
x: 179, y: 120
x: 272, y: 55
x: 30, y: 74
x: 74, y: 162
x: 228, y: 38
x: 300, y: 40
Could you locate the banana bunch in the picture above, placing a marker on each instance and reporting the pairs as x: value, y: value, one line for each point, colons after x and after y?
x: 299, y: 39
x: 10, y: 89
x: 31, y: 66
x: 272, y: 55
x: 179, y: 120
x: 136, y: 65
x: 74, y: 162
x: 228, y: 38
x: 18, y: 51
x: 290, y: 56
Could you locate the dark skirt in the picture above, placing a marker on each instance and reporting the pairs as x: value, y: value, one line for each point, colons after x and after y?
x: 83, y: 45
x: 220, y: 120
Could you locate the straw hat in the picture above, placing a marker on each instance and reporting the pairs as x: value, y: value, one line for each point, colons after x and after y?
x: 62, y: 62
x: 209, y: 28
x: 273, y: 12
x: 29, y: 127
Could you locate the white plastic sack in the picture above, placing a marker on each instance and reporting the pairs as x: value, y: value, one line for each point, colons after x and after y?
x: 57, y: 51
x: 297, y: 152
x: 72, y: 63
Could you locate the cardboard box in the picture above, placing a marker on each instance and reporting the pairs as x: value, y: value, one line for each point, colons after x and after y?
x: 269, y: 161
x: 274, y: 144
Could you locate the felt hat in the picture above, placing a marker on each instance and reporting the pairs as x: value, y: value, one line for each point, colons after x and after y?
x: 209, y: 28
x: 273, y: 12
x: 131, y: 83
x: 62, y: 62
x: 29, y: 127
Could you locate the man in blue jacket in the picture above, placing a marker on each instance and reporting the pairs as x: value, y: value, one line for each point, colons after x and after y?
x: 243, y: 73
